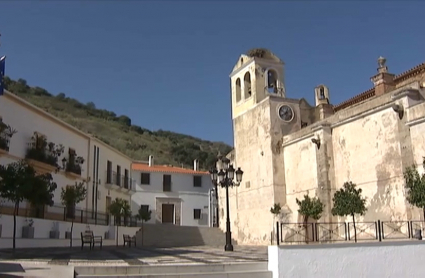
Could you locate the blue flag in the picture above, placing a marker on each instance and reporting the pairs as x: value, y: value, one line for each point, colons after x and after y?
x: 2, y: 66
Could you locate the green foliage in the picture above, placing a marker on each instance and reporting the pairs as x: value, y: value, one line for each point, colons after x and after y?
x: 276, y: 209
x: 349, y: 201
x: 310, y: 207
x: 415, y: 186
x: 119, y: 207
x: 19, y: 181
x: 73, y: 194
x: 138, y: 143
x: 144, y: 215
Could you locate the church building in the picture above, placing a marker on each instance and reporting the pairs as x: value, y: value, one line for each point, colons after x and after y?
x: 288, y: 148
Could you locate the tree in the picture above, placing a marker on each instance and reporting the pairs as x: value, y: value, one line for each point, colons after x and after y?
x: 415, y: 186
x: 144, y: 215
x: 70, y: 196
x: 19, y: 181
x: 275, y: 210
x: 310, y: 207
x: 348, y: 201
x: 119, y: 208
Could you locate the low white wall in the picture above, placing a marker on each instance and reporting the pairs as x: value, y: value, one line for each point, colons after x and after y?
x: 43, y: 227
x: 384, y: 259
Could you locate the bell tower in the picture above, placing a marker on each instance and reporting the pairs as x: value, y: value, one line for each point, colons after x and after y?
x: 261, y: 114
x: 257, y: 74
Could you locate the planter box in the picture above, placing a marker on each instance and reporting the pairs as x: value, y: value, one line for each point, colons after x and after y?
x: 54, y: 234
x: 27, y: 232
x: 68, y: 235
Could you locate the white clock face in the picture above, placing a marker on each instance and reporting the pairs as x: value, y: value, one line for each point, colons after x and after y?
x: 286, y: 113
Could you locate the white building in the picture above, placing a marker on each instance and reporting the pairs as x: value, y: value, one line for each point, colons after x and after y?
x: 52, y: 146
x: 175, y: 195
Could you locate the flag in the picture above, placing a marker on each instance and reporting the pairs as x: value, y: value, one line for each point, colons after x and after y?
x: 2, y: 66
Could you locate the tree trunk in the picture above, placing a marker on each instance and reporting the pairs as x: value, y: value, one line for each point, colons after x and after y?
x: 15, y: 211
x: 273, y: 229
x: 70, y: 238
x: 355, y: 230
x: 143, y: 233
x: 306, y: 229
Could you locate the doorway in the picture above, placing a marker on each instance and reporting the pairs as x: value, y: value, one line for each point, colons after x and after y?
x: 168, y: 213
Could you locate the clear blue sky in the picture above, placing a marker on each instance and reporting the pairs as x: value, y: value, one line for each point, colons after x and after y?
x: 166, y: 64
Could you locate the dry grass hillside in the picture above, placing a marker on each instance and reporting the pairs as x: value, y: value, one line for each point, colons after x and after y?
x: 135, y: 141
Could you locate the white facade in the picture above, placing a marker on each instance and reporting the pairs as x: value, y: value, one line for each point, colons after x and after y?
x: 32, y: 122
x: 186, y: 200
x: 106, y: 184
x: 27, y: 119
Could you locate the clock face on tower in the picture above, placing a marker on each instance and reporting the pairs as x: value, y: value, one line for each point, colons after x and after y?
x: 286, y: 113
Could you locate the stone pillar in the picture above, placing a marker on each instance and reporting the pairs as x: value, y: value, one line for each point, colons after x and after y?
x: 325, y: 168
x: 383, y: 81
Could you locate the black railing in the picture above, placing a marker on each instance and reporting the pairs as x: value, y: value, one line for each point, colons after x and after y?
x: 60, y: 213
x: 324, y: 232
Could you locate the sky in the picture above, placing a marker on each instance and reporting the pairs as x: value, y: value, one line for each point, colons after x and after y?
x: 166, y: 64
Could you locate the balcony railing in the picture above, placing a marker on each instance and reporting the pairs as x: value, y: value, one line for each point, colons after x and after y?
x: 120, y: 180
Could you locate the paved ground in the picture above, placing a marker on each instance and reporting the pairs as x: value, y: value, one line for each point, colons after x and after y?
x: 115, y: 256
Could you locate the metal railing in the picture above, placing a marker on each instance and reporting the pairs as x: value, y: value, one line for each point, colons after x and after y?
x: 328, y: 232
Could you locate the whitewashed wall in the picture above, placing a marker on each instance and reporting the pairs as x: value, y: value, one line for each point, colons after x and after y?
x: 43, y: 227
x: 384, y: 259
x: 181, y: 187
x: 27, y: 119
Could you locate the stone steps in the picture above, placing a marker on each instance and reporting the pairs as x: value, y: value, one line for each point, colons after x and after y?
x: 235, y: 270
x: 163, y: 235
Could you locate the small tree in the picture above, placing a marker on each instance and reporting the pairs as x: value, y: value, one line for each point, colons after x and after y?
x: 310, y: 208
x: 349, y: 201
x: 275, y: 210
x: 70, y: 196
x: 144, y: 216
x: 415, y: 187
x: 19, y: 181
x: 119, y: 208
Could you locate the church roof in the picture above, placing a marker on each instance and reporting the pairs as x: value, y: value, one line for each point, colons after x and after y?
x: 262, y: 53
x: 371, y: 92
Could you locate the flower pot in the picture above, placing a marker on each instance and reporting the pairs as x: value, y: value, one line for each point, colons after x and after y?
x: 107, y: 235
x: 68, y: 235
x: 27, y: 232
x: 0, y: 229
x: 54, y: 234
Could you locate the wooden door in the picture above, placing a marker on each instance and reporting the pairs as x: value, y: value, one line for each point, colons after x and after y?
x: 168, y: 213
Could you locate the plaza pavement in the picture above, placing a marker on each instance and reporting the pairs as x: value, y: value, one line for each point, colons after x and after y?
x: 125, y: 256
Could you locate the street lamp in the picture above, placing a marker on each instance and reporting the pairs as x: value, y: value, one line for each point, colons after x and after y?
x: 225, y: 178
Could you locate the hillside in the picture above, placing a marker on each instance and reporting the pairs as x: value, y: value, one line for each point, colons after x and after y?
x: 135, y: 141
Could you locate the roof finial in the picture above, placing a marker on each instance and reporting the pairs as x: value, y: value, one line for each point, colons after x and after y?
x: 381, y: 64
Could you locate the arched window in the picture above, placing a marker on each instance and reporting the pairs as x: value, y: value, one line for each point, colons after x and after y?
x: 272, y: 81
x: 322, y: 93
x: 247, y: 85
x: 238, y: 90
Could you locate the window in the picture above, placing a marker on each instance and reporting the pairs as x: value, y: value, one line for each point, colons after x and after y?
x: 145, y: 178
x: 126, y: 179
x: 166, y: 183
x: 238, y: 90
x: 118, y: 181
x: 197, y: 181
x: 196, y: 214
x: 271, y: 81
x: 247, y: 85
x: 108, y: 172
x: 144, y: 208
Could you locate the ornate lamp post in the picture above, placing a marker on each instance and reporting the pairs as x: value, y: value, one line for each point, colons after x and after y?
x: 225, y: 178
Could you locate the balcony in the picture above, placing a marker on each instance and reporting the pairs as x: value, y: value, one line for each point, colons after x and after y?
x: 72, y: 166
x: 6, y: 133
x: 43, y: 155
x: 119, y: 182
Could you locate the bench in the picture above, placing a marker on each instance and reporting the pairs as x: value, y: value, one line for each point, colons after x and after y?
x: 91, y: 239
x: 128, y: 239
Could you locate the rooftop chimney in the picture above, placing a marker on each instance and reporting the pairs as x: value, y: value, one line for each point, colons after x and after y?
x: 383, y: 81
x: 195, y: 165
x: 150, y: 160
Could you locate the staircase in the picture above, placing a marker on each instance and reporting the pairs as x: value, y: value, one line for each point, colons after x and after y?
x: 235, y: 270
x: 165, y: 235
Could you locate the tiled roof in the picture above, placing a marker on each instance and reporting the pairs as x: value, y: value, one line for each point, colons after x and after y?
x: 371, y: 92
x: 165, y: 169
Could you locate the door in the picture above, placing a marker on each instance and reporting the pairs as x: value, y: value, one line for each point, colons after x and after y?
x: 168, y: 213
